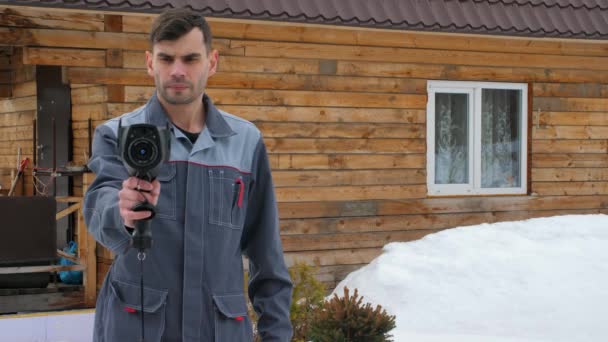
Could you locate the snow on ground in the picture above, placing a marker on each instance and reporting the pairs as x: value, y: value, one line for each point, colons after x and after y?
x: 541, y: 279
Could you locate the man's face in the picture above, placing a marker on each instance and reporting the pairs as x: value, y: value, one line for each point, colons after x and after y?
x: 181, y: 67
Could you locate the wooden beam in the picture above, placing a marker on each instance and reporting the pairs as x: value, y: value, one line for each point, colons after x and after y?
x: 86, y: 251
x: 68, y: 256
x: 64, y: 57
x: 36, y: 269
x: 72, y: 39
x: 67, y: 211
x: 413, y: 55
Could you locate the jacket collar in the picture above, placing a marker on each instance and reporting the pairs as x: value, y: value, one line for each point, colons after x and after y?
x: 214, y: 121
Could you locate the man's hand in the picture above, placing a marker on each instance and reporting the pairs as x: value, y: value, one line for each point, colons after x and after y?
x: 133, y: 192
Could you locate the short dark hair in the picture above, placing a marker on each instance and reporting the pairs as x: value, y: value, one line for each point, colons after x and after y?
x: 175, y: 23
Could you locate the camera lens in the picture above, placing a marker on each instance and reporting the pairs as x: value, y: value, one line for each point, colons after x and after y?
x: 143, y: 152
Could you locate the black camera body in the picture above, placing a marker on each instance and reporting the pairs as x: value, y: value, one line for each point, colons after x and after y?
x: 143, y: 149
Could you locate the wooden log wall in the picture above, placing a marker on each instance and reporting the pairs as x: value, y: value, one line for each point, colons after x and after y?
x: 343, y: 113
x: 17, y: 112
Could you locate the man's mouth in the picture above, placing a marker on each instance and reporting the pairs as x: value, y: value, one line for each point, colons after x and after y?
x: 178, y: 86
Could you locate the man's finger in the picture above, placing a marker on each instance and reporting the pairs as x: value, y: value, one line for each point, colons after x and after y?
x: 131, y: 215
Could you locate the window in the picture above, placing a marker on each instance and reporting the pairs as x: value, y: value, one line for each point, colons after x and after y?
x: 476, y: 138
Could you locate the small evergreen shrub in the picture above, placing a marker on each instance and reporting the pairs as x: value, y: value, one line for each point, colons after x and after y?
x: 308, y: 296
x: 346, y: 319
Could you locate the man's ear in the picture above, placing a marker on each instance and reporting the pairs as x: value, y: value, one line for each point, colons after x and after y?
x: 149, y: 59
x: 213, y: 60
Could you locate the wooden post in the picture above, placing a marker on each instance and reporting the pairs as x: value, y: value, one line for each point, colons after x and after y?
x: 86, y: 252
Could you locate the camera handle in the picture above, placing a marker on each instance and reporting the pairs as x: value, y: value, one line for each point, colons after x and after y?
x: 142, y: 240
x: 142, y: 235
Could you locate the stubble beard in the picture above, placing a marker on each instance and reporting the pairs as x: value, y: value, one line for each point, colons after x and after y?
x: 180, y: 99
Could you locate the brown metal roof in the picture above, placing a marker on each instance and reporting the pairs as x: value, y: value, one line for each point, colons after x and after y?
x: 537, y: 18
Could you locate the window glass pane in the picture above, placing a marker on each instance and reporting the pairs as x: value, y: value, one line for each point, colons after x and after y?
x: 451, y: 138
x: 500, y: 138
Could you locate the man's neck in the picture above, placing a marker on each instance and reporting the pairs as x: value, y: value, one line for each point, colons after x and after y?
x: 189, y: 117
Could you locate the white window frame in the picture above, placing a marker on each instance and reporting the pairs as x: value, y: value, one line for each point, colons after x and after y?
x: 474, y: 91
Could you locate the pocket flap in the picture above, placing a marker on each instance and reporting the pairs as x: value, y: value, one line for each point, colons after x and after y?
x: 232, y: 306
x: 129, y: 295
x: 167, y: 172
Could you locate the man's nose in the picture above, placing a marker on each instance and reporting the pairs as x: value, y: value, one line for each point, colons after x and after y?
x: 178, y: 69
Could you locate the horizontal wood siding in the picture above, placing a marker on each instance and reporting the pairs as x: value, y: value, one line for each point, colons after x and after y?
x: 17, y: 112
x: 343, y: 113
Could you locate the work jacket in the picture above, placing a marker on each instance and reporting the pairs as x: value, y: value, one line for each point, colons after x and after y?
x: 216, y: 204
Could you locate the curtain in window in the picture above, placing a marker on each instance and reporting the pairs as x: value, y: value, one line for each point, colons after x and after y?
x: 500, y: 138
x: 451, y: 138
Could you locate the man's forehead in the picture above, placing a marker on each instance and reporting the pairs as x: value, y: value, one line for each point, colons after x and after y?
x: 190, y: 43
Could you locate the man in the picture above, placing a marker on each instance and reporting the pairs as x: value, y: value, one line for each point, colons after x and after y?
x: 214, y: 200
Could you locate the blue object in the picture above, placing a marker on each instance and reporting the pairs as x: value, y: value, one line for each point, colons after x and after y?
x: 70, y: 277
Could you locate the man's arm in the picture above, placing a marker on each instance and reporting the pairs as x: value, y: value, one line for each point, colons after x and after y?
x: 101, y: 209
x: 269, y: 286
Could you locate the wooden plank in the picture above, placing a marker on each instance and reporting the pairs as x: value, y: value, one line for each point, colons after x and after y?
x: 413, y: 55
x: 5, y: 91
x: 296, y: 243
x: 326, y: 114
x: 311, y: 98
x: 570, y: 188
x: 241, y: 29
x: 571, y: 104
x: 24, y: 74
x: 573, y: 118
x: 410, y: 222
x: 45, y: 18
x: 36, y: 269
x: 72, y: 39
x: 269, y: 65
x: 15, y: 133
x: 570, y: 132
x: 114, y: 58
x: 24, y: 89
x: 86, y: 252
x: 349, y: 161
x: 95, y: 94
x: 115, y: 92
x: 470, y: 73
x: 352, y: 130
x: 109, y: 76
x: 20, y: 104
x: 296, y: 98
x: 17, y: 119
x: 333, y: 257
x: 58, y: 300
x: 288, y: 145
x: 356, y: 177
x: 64, y: 57
x: 569, y: 160
x: 68, y: 256
x: 490, y: 204
x: 354, y: 193
x: 68, y: 199
x: 570, y: 90
x: 569, y: 174
x: 117, y: 109
x: 112, y: 23
x: 569, y: 146
x: 95, y: 111
x: 317, y: 83
x: 67, y: 211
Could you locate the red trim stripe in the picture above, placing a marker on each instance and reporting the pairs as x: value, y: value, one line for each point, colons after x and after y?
x: 205, y: 165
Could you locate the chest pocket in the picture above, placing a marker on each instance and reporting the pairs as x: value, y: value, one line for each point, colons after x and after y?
x: 166, y: 206
x: 228, y: 196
